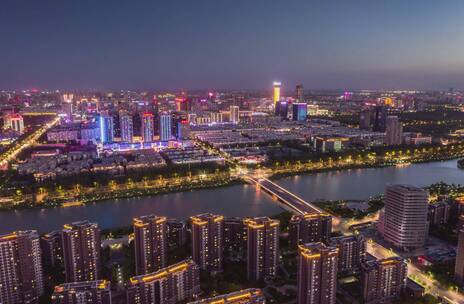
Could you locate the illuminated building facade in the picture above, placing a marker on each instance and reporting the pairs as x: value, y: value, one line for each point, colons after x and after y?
x: 170, y: 285
x: 165, y: 128
x: 81, y: 251
x: 383, y: 280
x: 106, y: 128
x: 351, y: 252
x: 262, y: 248
x: 21, y: 279
x: 309, y: 228
x: 148, y: 124
x: 300, y: 93
x: 150, y: 243
x: 95, y: 292
x: 14, y: 122
x: 281, y: 109
x: 207, y: 241
x: 317, y: 274
x: 299, y: 111
x: 276, y: 92
x: 234, y: 114
x: 405, y: 217
x: 126, y: 124
x: 245, y: 296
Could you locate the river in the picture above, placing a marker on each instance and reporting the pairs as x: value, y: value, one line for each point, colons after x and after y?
x: 237, y: 200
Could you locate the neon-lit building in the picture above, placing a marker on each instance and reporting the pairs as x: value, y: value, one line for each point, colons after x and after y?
x: 276, y: 92
x: 300, y: 111
x: 262, y: 247
x: 14, y: 121
x: 106, y: 128
x: 148, y: 125
x: 126, y: 124
x: 170, y: 285
x: 150, y: 243
x: 165, y: 128
x: 95, y: 292
x: 207, y: 241
x: 81, y: 251
x: 21, y: 278
x: 317, y: 274
x: 245, y: 296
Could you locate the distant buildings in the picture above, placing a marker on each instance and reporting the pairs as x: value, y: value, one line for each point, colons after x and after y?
x: 262, y: 248
x: 299, y: 93
x: 245, y: 296
x: 14, y: 122
x: 394, y: 131
x: 207, y: 241
x: 309, y: 228
x: 317, y: 274
x: 150, y: 236
x: 299, y: 111
x: 405, y: 219
x: 365, y: 119
x: 81, y: 251
x: 95, y: 292
x: 148, y: 130
x: 21, y: 278
x: 276, y: 92
x: 106, y: 125
x: 459, y: 265
x: 351, y: 252
x: 380, y: 119
x: 281, y: 109
x: 126, y: 124
x: 234, y: 114
x: 170, y: 285
x: 165, y: 128
x: 329, y: 143
x: 383, y: 280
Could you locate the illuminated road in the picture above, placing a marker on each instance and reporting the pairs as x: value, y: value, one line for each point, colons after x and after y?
x: 432, y: 286
x: 18, y: 147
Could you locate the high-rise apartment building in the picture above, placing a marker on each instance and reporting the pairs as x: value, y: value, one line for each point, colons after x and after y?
x: 176, y: 233
x: 165, y: 128
x: 235, y: 234
x: 405, y: 222
x: 383, y: 280
x: 234, y: 114
x: 317, y: 274
x: 148, y: 124
x: 309, y: 228
x: 52, y: 248
x: 150, y: 243
x: 106, y: 125
x: 351, y: 252
x: 207, y: 241
x: 380, y: 118
x: 262, y: 247
x: 394, y: 131
x: 95, y: 292
x: 81, y: 251
x: 245, y: 296
x: 126, y: 124
x: 21, y: 279
x: 459, y: 265
x: 170, y: 285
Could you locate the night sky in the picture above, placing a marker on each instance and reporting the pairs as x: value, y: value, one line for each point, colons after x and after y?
x: 231, y: 44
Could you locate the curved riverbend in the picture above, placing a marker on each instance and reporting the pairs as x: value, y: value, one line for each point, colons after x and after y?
x: 237, y: 200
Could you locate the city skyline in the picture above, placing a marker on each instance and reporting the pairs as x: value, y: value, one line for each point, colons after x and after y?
x: 236, y: 45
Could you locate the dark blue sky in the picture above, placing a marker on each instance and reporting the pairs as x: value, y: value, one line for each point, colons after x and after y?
x: 153, y: 44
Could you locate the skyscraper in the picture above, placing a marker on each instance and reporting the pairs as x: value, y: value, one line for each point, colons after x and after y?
x: 309, y: 228
x: 21, y: 279
x: 234, y: 114
x: 276, y: 92
x: 170, y: 285
x: 459, y: 265
x: 106, y: 128
x: 235, y: 234
x: 383, y: 280
x: 126, y: 125
x: 351, y: 252
x: 150, y: 243
x: 165, y: 126
x: 262, y: 247
x: 300, y: 111
x: 281, y: 109
x: 147, y: 130
x: 95, y: 292
x: 245, y: 296
x: 300, y: 93
x: 81, y: 251
x: 405, y: 217
x: 317, y: 274
x: 207, y: 241
x: 394, y: 131
x: 365, y: 119
x: 52, y: 249
x: 380, y: 118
